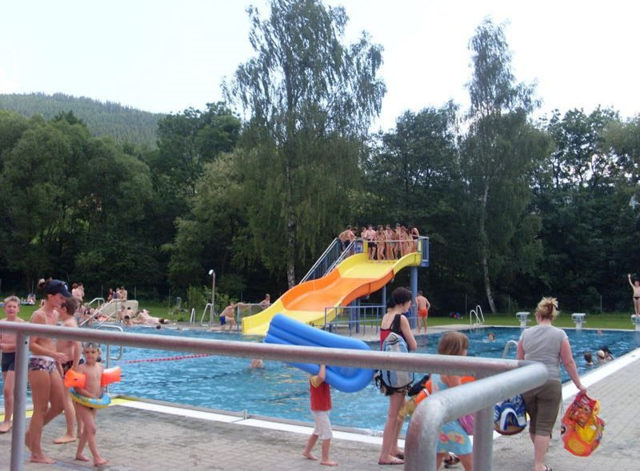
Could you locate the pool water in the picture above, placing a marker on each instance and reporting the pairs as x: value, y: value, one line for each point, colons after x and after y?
x: 278, y: 390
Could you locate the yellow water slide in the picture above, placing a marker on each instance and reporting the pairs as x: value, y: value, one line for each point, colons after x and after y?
x: 355, y: 277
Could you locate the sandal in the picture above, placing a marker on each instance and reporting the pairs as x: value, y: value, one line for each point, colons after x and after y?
x: 451, y: 460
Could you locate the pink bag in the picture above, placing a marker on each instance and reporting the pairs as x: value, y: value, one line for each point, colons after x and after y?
x: 467, y: 422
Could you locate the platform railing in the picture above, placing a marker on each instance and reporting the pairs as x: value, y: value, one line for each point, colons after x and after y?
x: 501, y: 379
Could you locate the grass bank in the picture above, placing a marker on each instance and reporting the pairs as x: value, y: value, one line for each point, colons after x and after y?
x: 593, y: 320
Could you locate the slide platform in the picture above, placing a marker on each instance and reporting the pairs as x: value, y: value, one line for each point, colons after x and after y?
x: 286, y: 331
x: 355, y: 277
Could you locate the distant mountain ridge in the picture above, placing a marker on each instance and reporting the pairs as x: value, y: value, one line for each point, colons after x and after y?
x: 122, y: 123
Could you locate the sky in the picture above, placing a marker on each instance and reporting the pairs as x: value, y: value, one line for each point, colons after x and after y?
x: 169, y: 55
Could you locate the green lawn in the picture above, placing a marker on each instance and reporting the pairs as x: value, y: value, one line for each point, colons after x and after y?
x: 593, y: 321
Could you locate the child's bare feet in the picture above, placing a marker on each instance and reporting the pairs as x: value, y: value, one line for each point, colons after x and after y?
x: 41, y: 459
x: 309, y: 456
x: 328, y: 463
x: 64, y: 439
x: 99, y: 462
x: 5, y: 427
x: 81, y: 457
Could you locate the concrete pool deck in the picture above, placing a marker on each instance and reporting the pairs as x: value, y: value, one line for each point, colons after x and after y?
x: 141, y: 435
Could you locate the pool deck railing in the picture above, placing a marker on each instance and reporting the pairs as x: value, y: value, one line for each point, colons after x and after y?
x: 498, y: 379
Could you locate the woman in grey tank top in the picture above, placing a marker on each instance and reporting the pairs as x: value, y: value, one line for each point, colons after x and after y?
x: 548, y: 345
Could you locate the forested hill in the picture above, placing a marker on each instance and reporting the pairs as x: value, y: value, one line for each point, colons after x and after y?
x: 122, y: 123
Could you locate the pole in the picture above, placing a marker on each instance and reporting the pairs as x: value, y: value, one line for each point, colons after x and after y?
x: 414, y: 294
x: 20, y: 401
x: 213, y: 297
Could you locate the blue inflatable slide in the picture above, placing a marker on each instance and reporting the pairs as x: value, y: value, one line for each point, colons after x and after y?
x: 286, y: 331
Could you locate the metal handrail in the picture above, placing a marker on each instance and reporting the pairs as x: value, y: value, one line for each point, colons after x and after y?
x: 507, y: 347
x: 204, y: 313
x: 96, y: 299
x: 320, y: 259
x: 502, y: 386
x: 98, y: 311
x: 119, y: 329
x: 477, y: 312
x: 478, y: 397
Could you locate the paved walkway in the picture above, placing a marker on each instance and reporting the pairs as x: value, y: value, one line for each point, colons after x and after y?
x: 139, y: 439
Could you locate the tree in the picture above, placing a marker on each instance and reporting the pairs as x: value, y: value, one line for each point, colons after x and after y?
x: 499, y: 149
x: 210, y: 235
x: 310, y: 100
x: 583, y: 192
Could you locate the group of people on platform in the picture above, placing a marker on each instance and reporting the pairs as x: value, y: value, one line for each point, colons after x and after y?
x: 383, y: 243
x: 118, y: 293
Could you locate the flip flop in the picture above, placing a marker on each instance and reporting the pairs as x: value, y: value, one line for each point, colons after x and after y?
x: 393, y: 462
x: 399, y: 456
x: 547, y: 468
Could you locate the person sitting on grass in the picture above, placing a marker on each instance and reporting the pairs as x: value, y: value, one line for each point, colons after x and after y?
x: 320, y: 393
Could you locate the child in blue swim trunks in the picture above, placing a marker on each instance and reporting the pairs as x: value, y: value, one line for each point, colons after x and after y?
x: 453, y: 438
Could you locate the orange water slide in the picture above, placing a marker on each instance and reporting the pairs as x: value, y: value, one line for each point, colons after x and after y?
x: 355, y: 277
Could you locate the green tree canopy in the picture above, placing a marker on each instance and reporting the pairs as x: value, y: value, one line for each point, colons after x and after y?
x: 310, y: 100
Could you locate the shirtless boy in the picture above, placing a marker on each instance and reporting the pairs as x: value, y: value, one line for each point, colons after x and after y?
x: 346, y: 237
x: 87, y: 415
x: 8, y: 347
x: 423, y: 311
x: 229, y: 315
x: 71, y: 349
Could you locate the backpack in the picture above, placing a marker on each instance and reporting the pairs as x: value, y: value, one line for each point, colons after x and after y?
x: 582, y: 429
x: 510, y: 416
x: 395, y: 379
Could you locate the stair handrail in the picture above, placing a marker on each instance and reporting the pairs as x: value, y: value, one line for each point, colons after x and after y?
x: 507, y: 347
x: 477, y: 312
x: 320, y: 259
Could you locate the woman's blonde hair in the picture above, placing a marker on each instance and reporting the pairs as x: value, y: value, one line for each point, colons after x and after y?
x: 453, y: 343
x: 548, y: 309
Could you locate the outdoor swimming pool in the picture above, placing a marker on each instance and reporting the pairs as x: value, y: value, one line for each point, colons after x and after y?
x: 281, y: 391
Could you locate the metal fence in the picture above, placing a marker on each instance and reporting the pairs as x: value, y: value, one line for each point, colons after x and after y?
x: 499, y: 379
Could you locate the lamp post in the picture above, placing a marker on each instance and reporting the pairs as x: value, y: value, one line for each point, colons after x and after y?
x: 213, y: 295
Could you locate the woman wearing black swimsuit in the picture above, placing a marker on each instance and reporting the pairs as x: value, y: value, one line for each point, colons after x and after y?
x: 394, y: 320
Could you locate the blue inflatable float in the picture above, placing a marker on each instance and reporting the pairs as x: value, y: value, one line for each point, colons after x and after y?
x: 286, y: 331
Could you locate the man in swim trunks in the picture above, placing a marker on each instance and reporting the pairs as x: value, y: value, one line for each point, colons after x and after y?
x: 423, y: 311
x: 346, y: 237
x: 229, y: 316
x: 8, y: 347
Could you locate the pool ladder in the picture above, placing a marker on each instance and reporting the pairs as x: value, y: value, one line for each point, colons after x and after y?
x: 508, y: 346
x: 108, y: 352
x: 478, y: 315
